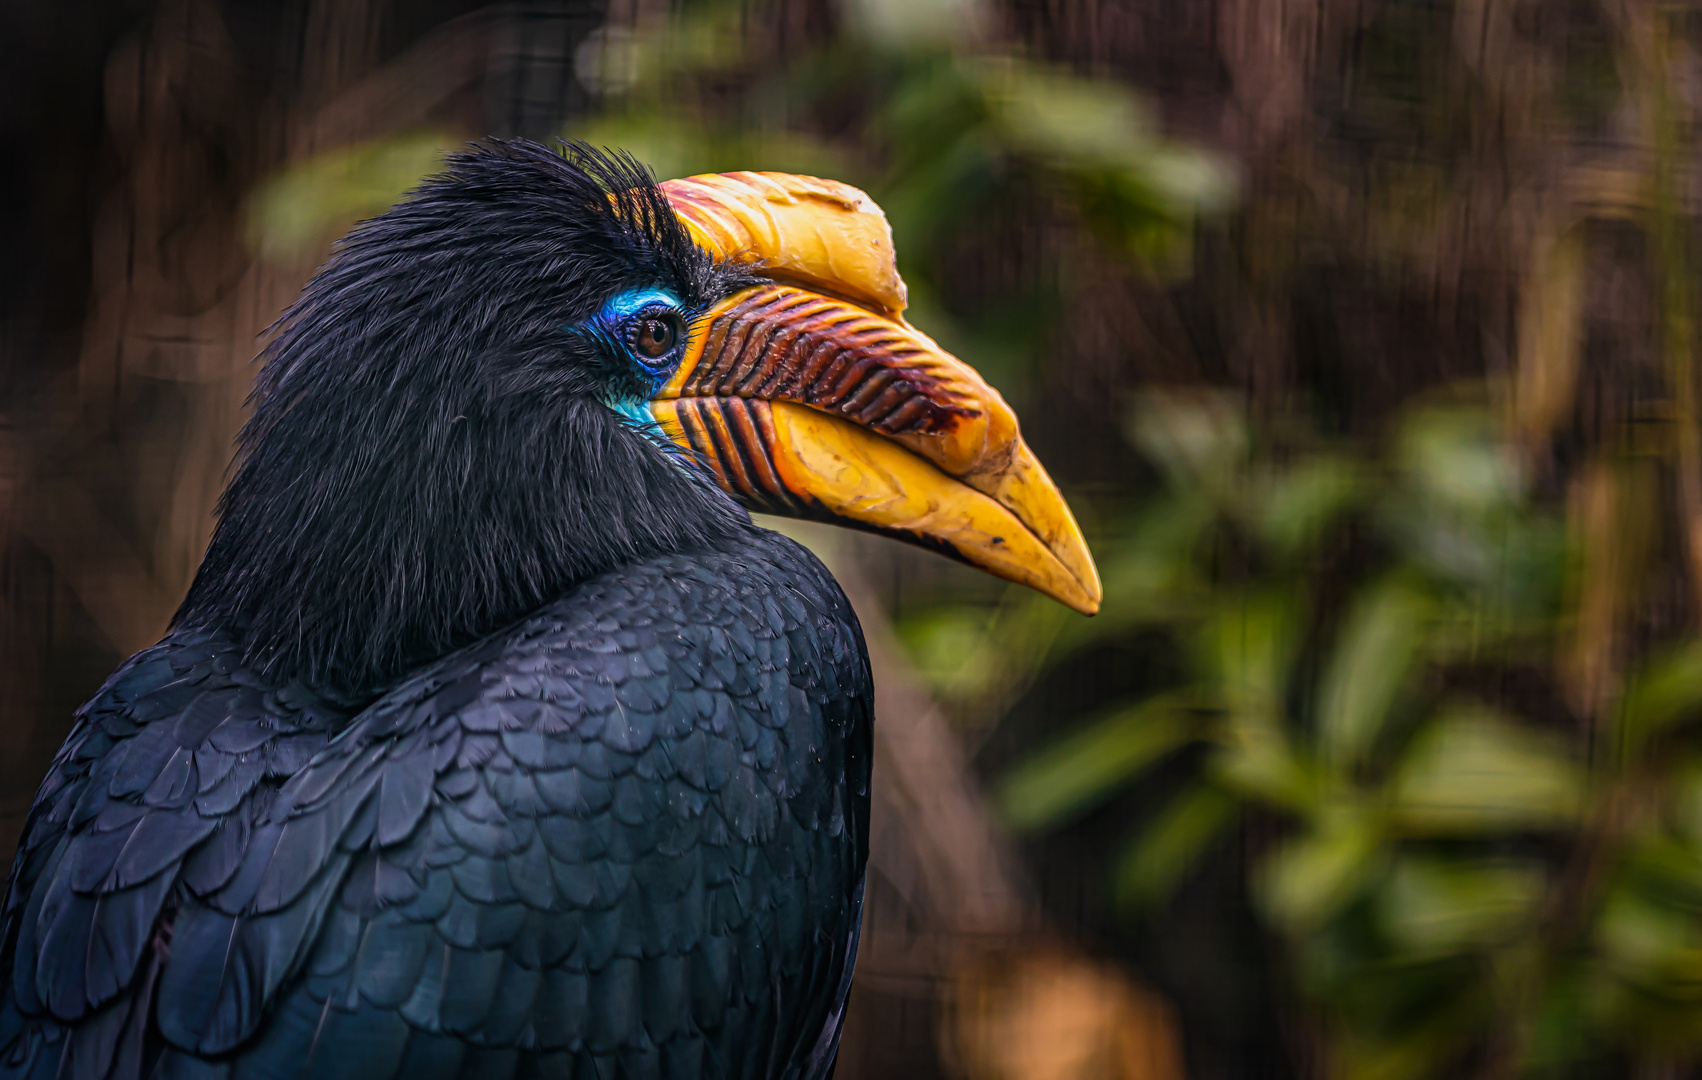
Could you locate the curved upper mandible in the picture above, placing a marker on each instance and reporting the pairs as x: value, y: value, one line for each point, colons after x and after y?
x: 818, y: 232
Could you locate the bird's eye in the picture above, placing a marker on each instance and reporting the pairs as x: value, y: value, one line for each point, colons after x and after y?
x: 654, y: 337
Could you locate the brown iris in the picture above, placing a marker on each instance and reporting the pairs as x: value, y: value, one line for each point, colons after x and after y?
x: 654, y: 338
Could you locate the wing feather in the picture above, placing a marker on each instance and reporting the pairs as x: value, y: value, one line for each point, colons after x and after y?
x: 147, y: 808
x: 610, y: 838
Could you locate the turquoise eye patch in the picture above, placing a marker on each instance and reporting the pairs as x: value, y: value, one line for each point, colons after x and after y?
x: 618, y: 310
x: 626, y: 305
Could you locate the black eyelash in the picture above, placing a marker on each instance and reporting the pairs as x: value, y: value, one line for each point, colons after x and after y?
x: 638, y: 317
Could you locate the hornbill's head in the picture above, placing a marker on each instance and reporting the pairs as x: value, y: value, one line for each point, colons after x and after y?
x: 540, y: 366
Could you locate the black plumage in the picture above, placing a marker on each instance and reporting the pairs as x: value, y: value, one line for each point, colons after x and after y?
x: 493, y: 739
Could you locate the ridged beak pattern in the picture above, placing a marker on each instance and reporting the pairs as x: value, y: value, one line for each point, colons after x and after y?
x: 828, y: 405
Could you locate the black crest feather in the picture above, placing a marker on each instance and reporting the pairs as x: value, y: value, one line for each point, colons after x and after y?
x: 428, y: 458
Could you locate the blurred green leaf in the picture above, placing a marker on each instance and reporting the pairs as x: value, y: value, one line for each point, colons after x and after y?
x: 1199, y: 440
x: 1370, y: 665
x: 1150, y: 577
x: 954, y: 650
x: 1258, y: 761
x: 1686, y: 793
x: 1665, y: 691
x: 1061, y: 116
x: 1418, y: 1051
x: 1651, y: 944
x: 1246, y: 650
x: 1488, y: 625
x: 1663, y: 865
x: 1099, y: 134
x: 1302, y: 500
x: 1564, y: 1034
x: 1082, y: 768
x: 1154, y: 864
x: 303, y: 207
x: 1313, y: 876
x: 1245, y: 654
x: 1472, y: 772
x: 1459, y: 459
x: 1148, y: 566
x: 908, y: 25
x: 1434, y: 906
x: 1460, y: 512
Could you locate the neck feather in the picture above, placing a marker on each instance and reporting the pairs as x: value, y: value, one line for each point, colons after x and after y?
x: 347, y: 562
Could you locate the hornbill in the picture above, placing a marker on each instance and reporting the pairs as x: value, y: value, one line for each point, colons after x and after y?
x: 493, y: 739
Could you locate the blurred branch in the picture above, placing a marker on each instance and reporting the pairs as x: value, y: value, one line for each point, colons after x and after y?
x: 1676, y: 276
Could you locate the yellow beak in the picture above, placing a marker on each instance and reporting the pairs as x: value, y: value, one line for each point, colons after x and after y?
x: 809, y: 405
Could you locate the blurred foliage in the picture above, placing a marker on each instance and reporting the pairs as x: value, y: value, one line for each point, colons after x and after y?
x: 948, y: 126
x: 1452, y: 879
x: 300, y: 208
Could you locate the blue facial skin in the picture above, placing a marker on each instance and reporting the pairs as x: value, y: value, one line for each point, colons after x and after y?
x: 626, y: 305
x: 613, y: 320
